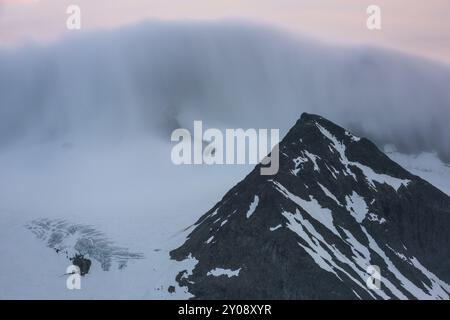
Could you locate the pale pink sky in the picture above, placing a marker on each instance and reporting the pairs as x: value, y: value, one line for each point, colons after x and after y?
x: 418, y: 27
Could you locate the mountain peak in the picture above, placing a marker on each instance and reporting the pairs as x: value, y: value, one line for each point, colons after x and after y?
x: 336, y: 206
x: 318, y: 136
x: 314, y: 124
x: 309, y: 117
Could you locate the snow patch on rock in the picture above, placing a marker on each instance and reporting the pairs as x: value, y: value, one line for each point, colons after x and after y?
x: 217, y: 272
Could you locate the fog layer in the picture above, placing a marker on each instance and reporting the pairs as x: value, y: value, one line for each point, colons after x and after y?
x: 155, y: 77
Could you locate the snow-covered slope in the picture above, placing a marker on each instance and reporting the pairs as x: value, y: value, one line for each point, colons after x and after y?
x: 124, y: 193
x: 32, y: 270
x: 426, y: 165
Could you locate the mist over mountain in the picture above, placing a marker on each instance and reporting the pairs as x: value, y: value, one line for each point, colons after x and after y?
x: 85, y: 145
x: 157, y: 76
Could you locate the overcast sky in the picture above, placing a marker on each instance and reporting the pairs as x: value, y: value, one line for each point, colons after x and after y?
x: 419, y: 27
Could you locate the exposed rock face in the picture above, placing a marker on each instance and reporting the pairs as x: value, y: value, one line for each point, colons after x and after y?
x: 336, y: 206
x: 81, y: 262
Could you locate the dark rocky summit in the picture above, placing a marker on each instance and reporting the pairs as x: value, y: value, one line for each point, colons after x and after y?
x: 337, y: 205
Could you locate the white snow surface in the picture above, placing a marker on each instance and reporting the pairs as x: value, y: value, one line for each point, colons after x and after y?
x: 328, y: 193
x: 369, y: 174
x: 313, y: 158
x: 275, y: 228
x: 312, y: 207
x: 130, y: 191
x: 426, y: 165
x: 217, y: 272
x: 253, y: 206
x: 357, y: 206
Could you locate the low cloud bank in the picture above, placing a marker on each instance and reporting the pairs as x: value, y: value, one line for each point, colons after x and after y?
x: 157, y: 76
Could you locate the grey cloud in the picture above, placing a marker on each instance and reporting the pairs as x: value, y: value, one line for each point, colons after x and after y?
x: 152, y: 77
